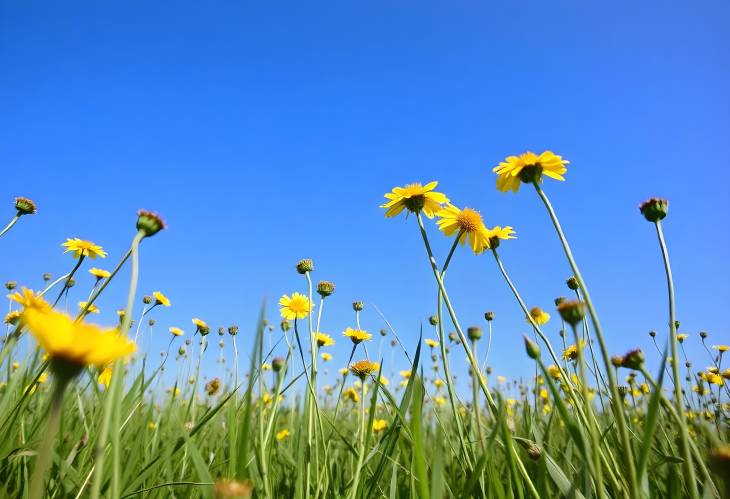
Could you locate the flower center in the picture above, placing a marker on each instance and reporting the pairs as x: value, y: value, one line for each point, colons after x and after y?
x: 531, y: 173
x: 469, y: 220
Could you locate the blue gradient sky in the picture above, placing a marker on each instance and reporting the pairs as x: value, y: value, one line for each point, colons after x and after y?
x: 268, y: 132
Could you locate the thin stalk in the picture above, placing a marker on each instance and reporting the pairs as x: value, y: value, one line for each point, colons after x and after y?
x: 683, y: 434
x: 361, y: 446
x: 616, y: 402
x: 13, y: 221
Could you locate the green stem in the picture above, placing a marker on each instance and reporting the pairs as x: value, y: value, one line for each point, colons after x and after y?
x: 45, y: 450
x: 616, y: 401
x: 684, y: 437
x: 10, y: 225
x: 361, y: 449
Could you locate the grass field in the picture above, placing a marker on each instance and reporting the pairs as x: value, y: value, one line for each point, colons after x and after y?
x: 88, y: 414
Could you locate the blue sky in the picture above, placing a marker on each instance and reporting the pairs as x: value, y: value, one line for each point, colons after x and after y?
x: 268, y: 132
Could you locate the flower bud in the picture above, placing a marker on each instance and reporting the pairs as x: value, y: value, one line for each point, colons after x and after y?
x: 181, y: 351
x: 489, y: 316
x: 654, y: 209
x: 325, y: 288
x: 533, y: 350
x: 703, y: 334
x: 24, y: 206
x: 233, y: 330
x: 383, y: 332
x: 285, y: 326
x: 572, y: 312
x: 357, y: 306
x: 559, y: 300
x: 46, y: 276
x: 474, y: 333
x: 11, y: 285
x: 151, y: 322
x: 305, y: 265
x: 433, y: 320
x: 147, y: 299
x: 617, y: 360
x: 572, y: 283
x: 453, y: 337
x: 221, y: 331
x: 150, y: 223
x: 633, y: 359
x: 652, y: 334
x: 277, y: 364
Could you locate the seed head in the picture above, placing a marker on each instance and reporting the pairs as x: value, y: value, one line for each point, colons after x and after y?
x: 357, y: 306
x: 617, y: 360
x: 489, y: 316
x: 24, y: 206
x: 233, y: 330
x: 383, y: 332
x: 474, y: 333
x: 325, y: 288
x: 652, y: 333
x: 147, y: 299
x: 572, y: 283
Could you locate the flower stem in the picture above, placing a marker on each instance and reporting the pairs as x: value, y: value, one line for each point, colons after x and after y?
x: 10, y: 225
x: 616, y: 400
x: 361, y: 449
x: 684, y: 437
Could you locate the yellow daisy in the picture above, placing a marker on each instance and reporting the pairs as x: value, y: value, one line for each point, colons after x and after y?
x: 161, y: 299
x: 100, y: 273
x: 326, y: 356
x: 296, y: 307
x: 12, y: 318
x: 405, y: 374
x: 379, y: 425
x: 105, y: 377
x: 176, y: 331
x: 357, y: 335
x: 721, y: 348
x: 200, y: 324
x: 528, y: 167
x: 281, y: 435
x: 29, y: 299
x: 363, y: 368
x: 431, y: 343
x: 77, y: 343
x: 497, y: 233
x: 323, y: 340
x: 554, y: 371
x: 343, y: 371
x: 467, y: 224
x: 539, y: 316
x: 80, y: 248
x: 414, y: 198
x: 351, y: 394
x: 571, y: 353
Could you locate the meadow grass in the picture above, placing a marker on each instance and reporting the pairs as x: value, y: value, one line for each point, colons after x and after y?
x: 85, y: 412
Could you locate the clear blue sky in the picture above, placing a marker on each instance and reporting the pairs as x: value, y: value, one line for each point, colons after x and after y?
x: 268, y: 132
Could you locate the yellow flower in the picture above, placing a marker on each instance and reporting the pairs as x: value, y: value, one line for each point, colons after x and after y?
x: 415, y: 198
x: 499, y: 233
x: 99, y: 273
x: 528, y: 167
x: 440, y: 401
x: 161, y: 299
x: 721, y: 348
x: 12, y: 317
x: 16, y: 365
x: 405, y: 374
x: 543, y: 394
x: 93, y: 309
x: 30, y: 299
x: 539, y: 316
x: 296, y: 307
x: 326, y: 356
x: 200, y: 324
x: 713, y: 378
x: 282, y: 434
x: 105, y: 376
x: 501, y: 380
x: 379, y: 425
x: 176, y: 331
x: 81, y: 248
x: 357, y: 335
x: 571, y: 353
x: 323, y: 340
x: 73, y: 342
x: 466, y: 224
x: 266, y: 366
x: 438, y: 382
x: 363, y: 368
x: 383, y: 380
x: 344, y: 371
x: 151, y: 425
x: 351, y: 394
x: 726, y: 373
x: 682, y: 337
x: 432, y: 343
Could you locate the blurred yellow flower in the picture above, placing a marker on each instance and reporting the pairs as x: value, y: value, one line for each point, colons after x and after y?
x: 296, y: 307
x: 176, y: 331
x: 29, y: 299
x: 326, y: 356
x: 357, y: 335
x: 528, y: 167
x: 351, y: 394
x: 431, y: 343
x: 323, y: 340
x: 415, y: 198
x: 497, y: 233
x: 151, y: 425
x: 161, y: 299
x: 440, y: 401
x: 571, y: 353
x: 467, y: 224
x: 501, y: 380
x: 81, y: 248
x: 266, y: 366
x: 383, y: 380
x: 682, y: 337
x: 105, y: 376
x: 721, y: 348
x: 343, y: 371
x: 379, y: 425
x: 100, y: 273
x: 200, y: 324
x: 73, y: 342
x: 539, y: 316
x: 12, y: 317
x: 405, y: 374
x: 282, y: 434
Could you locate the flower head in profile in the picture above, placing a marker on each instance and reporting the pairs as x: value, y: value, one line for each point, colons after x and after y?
x: 77, y: 344
x: 554, y: 371
x: 415, y: 198
x: 497, y: 234
x: 721, y: 348
x: 431, y: 343
x: 281, y: 435
x: 539, y: 316
x: 161, y: 299
x: 326, y: 356
x: 351, y: 395
x: 80, y: 248
x: 323, y: 340
x: 100, y: 273
x: 201, y: 326
x: 343, y: 371
x: 176, y: 331
x: 12, y: 317
x: 571, y: 353
x: 405, y: 374
x: 212, y: 386
x: 363, y: 368
x: 467, y: 224
x: 528, y: 167
x: 296, y: 307
x: 90, y: 309
x: 357, y: 335
x: 29, y: 299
